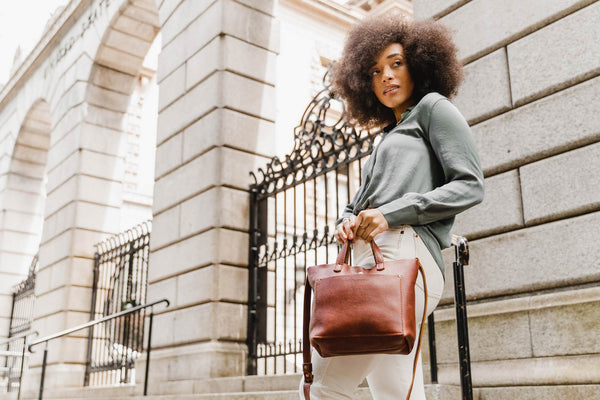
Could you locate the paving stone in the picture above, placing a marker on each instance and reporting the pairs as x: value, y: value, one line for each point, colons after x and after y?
x: 562, y: 185
x: 500, y: 210
x: 483, y: 25
x: 486, y: 89
x: 535, y: 68
x: 533, y: 131
x: 423, y: 9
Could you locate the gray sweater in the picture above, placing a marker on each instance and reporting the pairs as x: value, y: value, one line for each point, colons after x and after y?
x: 423, y: 172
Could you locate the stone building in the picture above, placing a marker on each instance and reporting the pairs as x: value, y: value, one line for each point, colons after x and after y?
x: 79, y: 121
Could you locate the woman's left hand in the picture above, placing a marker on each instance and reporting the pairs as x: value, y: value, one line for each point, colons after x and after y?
x: 368, y: 224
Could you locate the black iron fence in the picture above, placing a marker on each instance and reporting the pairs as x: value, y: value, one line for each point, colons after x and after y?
x: 120, y: 282
x: 21, y: 317
x: 293, y: 208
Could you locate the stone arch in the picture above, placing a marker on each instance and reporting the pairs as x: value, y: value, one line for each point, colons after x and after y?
x: 117, y: 101
x: 25, y: 192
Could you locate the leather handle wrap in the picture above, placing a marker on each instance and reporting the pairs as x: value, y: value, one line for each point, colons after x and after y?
x: 344, y: 255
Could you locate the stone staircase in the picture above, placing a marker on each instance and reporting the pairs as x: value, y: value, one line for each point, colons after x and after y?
x: 284, y: 387
x: 280, y: 387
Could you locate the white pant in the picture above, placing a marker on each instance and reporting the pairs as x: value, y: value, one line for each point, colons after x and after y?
x: 388, y: 375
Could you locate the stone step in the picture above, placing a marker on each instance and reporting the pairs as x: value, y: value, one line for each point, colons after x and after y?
x: 433, y: 392
x: 267, y: 388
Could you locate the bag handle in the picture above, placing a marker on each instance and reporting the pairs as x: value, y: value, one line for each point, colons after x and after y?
x: 344, y: 255
x: 306, y: 358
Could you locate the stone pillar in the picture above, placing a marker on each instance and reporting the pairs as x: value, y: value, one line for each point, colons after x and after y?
x: 216, y: 123
x: 531, y: 95
x: 85, y: 170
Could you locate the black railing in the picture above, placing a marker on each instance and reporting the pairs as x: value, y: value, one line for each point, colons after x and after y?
x: 120, y: 283
x: 23, y: 301
x: 90, y: 325
x: 294, y: 204
x: 15, y: 354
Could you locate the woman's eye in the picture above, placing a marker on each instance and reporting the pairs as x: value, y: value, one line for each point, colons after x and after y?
x: 397, y: 63
x: 374, y: 72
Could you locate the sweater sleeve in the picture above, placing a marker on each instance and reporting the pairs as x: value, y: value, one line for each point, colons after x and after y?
x: 453, y: 144
x: 349, y: 209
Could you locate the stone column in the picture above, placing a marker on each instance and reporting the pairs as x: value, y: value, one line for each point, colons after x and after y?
x: 216, y: 123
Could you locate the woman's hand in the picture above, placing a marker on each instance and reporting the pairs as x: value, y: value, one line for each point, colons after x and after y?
x: 344, y: 231
x: 368, y: 224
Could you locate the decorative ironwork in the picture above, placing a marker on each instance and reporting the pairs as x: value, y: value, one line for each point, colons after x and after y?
x: 324, y: 141
x: 294, y: 203
x: 21, y: 317
x: 23, y: 301
x: 120, y: 282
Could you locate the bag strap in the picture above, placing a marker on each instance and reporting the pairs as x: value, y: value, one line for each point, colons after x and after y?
x: 306, y: 357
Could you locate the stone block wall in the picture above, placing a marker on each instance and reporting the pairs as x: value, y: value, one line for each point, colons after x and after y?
x: 531, y: 96
x: 216, y: 123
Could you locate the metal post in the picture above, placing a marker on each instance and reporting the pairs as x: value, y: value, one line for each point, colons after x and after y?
x: 22, y: 363
x: 251, y: 368
x: 88, y: 362
x: 432, y: 348
x: 461, y: 321
x: 43, y: 372
x: 148, y: 352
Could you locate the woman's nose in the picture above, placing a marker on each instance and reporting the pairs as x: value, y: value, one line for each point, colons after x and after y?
x: 387, y: 74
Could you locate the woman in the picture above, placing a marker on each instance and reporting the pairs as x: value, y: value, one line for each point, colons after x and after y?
x: 425, y: 170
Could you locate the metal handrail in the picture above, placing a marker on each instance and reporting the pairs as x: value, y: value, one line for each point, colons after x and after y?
x: 89, y: 324
x: 17, y: 337
x: 23, y: 354
x: 461, y: 253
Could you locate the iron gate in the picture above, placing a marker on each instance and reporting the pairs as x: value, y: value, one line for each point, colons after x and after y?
x: 21, y: 317
x: 120, y: 282
x: 294, y: 204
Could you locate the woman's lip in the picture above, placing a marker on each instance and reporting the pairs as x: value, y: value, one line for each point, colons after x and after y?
x: 390, y: 90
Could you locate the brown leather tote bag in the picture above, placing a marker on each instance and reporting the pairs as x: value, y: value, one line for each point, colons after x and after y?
x: 361, y: 311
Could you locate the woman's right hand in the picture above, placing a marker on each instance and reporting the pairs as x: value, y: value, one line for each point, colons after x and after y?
x: 344, y: 231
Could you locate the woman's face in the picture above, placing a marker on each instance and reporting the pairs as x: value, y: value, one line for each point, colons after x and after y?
x: 391, y: 79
